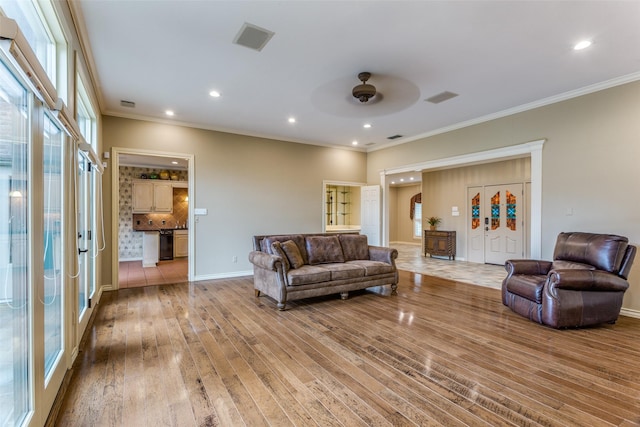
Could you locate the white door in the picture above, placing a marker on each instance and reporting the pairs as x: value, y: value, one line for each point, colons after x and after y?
x: 503, y: 222
x: 370, y: 224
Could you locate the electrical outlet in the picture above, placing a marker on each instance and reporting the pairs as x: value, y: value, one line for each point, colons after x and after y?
x: 235, y: 259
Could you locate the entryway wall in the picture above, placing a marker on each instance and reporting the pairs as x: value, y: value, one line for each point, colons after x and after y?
x: 445, y: 189
x: 400, y: 224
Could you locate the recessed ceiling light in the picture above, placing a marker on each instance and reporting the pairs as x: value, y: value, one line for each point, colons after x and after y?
x: 292, y: 119
x: 169, y: 113
x: 401, y: 179
x: 215, y: 94
x: 411, y: 179
x: 393, y: 182
x: 582, y: 45
x: 354, y: 143
x: 173, y: 162
x: 367, y: 125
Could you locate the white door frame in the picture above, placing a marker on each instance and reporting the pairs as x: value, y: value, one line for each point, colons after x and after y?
x: 532, y: 149
x: 115, y: 197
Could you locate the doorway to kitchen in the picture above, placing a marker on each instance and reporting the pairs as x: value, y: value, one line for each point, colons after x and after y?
x: 152, y: 201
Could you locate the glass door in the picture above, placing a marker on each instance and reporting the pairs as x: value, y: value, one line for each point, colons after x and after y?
x: 16, y: 355
x: 86, y: 249
x: 51, y: 294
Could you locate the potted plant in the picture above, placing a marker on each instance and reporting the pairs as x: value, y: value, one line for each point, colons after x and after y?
x: 434, y: 221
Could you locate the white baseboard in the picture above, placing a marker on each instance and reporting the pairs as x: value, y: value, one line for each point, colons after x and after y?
x: 630, y: 313
x: 407, y: 243
x: 223, y: 275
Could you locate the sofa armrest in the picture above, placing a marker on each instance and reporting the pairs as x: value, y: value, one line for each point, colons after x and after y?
x: 265, y: 260
x: 585, y: 280
x: 527, y: 266
x: 380, y: 253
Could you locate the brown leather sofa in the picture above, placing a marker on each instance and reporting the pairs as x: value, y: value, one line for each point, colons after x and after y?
x: 582, y: 286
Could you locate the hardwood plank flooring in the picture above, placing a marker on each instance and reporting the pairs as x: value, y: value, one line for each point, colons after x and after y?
x: 439, y: 352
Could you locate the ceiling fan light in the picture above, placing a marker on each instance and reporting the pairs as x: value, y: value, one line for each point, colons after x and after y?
x: 364, y: 91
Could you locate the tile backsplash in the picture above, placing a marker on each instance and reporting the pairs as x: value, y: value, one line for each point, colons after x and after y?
x: 129, y: 239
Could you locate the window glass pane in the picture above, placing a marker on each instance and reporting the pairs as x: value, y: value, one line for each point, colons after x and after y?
x: 495, y: 211
x: 32, y: 25
x: 14, y: 250
x: 52, y: 296
x: 86, y: 115
x: 417, y: 220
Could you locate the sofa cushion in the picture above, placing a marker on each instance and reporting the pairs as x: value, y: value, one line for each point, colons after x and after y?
x: 372, y: 268
x: 527, y: 286
x: 293, y: 253
x: 341, y: 270
x: 308, y: 274
x: 323, y: 249
x: 276, y: 249
x: 354, y: 246
x: 298, y: 239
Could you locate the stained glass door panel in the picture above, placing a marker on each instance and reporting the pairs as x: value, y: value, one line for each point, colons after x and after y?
x: 503, y: 231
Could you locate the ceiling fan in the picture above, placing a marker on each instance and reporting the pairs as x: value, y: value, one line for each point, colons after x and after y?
x: 364, y: 91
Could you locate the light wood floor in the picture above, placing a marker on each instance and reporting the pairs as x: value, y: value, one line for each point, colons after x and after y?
x: 437, y: 353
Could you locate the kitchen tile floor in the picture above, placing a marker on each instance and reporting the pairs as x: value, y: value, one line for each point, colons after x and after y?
x: 133, y: 275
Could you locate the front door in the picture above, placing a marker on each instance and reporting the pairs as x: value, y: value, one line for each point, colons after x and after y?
x: 503, y: 222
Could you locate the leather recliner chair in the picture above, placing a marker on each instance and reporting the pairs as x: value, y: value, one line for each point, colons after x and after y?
x: 583, y: 285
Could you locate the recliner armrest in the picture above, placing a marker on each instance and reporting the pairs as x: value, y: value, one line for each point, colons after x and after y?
x: 586, y: 280
x: 527, y: 266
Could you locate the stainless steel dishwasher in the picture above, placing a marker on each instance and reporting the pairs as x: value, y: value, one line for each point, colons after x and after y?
x: 166, y: 244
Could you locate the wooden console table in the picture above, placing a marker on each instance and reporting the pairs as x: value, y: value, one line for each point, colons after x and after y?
x: 441, y: 243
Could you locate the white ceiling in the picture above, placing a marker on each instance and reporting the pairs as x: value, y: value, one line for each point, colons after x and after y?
x: 499, y: 56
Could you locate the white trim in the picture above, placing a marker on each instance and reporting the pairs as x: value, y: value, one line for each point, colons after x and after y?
x: 532, y: 149
x: 227, y: 275
x: 630, y: 313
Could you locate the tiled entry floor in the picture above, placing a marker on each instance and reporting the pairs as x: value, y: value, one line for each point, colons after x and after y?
x: 133, y: 275
x: 410, y: 258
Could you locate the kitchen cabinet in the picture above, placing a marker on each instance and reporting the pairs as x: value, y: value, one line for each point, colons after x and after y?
x: 152, y: 196
x: 180, y: 243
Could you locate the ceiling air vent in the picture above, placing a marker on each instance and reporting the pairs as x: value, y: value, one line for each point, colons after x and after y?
x: 253, y: 37
x: 441, y: 97
x: 128, y: 104
x: 370, y: 144
x: 394, y: 137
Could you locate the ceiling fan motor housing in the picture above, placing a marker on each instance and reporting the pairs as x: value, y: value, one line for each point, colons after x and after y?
x: 364, y: 91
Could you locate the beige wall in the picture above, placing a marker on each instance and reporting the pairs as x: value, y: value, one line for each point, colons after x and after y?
x: 399, y: 221
x: 589, y: 163
x: 249, y: 186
